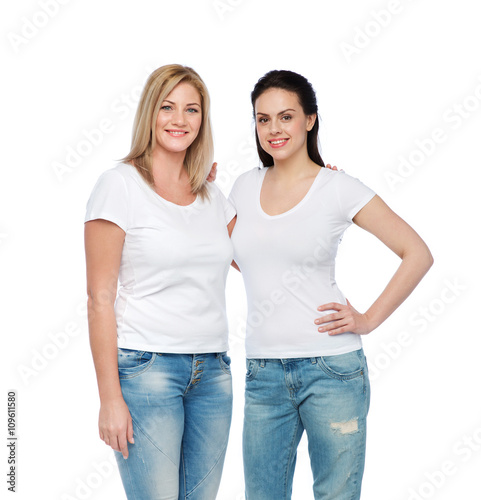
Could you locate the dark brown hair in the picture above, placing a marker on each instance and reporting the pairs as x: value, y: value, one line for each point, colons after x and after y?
x: 297, y: 84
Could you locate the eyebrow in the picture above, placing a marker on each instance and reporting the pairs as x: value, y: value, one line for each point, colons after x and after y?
x: 189, y: 104
x: 281, y: 113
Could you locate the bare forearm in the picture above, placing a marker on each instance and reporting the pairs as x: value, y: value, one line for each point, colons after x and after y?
x: 410, y: 272
x: 103, y: 343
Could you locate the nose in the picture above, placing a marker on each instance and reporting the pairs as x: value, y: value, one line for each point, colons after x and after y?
x: 274, y: 127
x: 178, y: 118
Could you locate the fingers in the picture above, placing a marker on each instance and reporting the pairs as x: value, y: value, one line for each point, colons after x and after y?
x: 123, y: 448
x: 327, y: 318
x: 118, y: 441
x: 334, y: 326
x: 125, y: 438
x: 332, y: 305
x: 213, y: 173
x: 340, y: 330
x: 130, y: 431
x: 337, y: 322
x: 346, y: 319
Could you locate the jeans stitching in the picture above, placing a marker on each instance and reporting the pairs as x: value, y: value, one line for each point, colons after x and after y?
x: 211, y: 469
x: 153, y: 444
x: 286, y: 474
x: 132, y: 486
x: 225, y: 367
x: 338, y: 376
x: 253, y: 372
x: 183, y: 470
x: 145, y: 366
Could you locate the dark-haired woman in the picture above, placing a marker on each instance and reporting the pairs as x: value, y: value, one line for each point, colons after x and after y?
x: 306, y: 369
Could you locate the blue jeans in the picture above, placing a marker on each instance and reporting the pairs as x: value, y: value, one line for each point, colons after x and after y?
x: 181, y: 408
x: 327, y: 396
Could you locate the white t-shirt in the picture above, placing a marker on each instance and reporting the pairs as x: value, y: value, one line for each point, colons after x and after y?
x: 288, y: 260
x: 174, y: 264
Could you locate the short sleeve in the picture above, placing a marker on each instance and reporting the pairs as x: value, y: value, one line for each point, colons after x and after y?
x: 231, y: 198
x: 109, y: 200
x: 218, y: 197
x: 352, y: 195
x: 229, y: 210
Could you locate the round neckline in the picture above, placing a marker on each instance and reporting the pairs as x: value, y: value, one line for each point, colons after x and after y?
x: 156, y: 195
x: 262, y: 175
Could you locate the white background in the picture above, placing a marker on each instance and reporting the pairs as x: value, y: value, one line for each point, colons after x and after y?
x: 389, y: 76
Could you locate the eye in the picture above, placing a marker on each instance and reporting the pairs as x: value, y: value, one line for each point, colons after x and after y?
x: 166, y: 108
x: 286, y: 117
x: 192, y: 110
x: 262, y: 120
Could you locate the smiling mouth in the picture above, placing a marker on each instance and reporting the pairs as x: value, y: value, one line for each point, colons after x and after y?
x: 278, y: 143
x: 177, y: 133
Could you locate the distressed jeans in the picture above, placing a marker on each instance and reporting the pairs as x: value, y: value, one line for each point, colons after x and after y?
x: 326, y: 396
x: 181, y: 408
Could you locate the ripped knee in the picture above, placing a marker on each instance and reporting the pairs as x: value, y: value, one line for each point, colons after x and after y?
x: 349, y: 427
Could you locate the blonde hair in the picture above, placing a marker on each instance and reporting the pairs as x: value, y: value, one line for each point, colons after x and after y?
x: 199, y: 155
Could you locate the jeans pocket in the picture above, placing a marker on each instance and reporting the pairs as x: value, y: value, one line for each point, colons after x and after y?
x: 133, y: 363
x: 252, y: 367
x: 343, y: 366
x: 224, y: 361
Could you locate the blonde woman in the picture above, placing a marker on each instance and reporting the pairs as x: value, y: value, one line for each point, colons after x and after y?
x: 156, y: 227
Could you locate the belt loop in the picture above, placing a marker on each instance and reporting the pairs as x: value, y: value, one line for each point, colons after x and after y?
x: 262, y: 362
x: 313, y: 361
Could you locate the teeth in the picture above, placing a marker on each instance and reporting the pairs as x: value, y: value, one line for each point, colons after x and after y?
x: 279, y: 142
x: 177, y: 133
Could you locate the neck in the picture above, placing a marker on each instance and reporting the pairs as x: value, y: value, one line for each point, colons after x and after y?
x: 294, y: 167
x: 167, y: 165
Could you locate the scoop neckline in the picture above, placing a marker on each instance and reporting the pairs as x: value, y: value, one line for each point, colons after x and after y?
x: 156, y: 195
x: 262, y: 175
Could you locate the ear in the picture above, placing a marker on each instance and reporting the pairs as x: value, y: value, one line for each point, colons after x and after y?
x: 311, y: 120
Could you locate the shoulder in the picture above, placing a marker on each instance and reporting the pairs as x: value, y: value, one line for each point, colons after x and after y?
x: 214, y: 191
x: 337, y: 176
x: 116, y: 174
x: 109, y: 199
x: 343, y: 181
x: 115, y: 181
x: 123, y: 176
x: 249, y: 177
x: 127, y: 172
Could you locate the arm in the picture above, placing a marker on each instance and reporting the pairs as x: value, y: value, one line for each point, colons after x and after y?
x: 230, y: 228
x: 213, y: 173
x: 377, y: 218
x: 103, y: 249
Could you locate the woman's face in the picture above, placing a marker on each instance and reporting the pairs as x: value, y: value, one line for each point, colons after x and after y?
x: 281, y: 123
x: 179, y: 119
